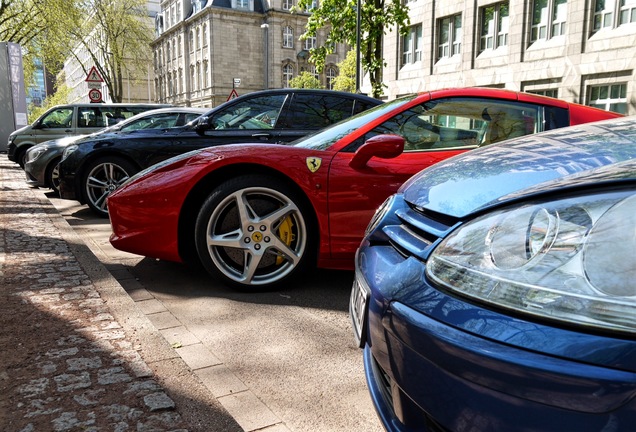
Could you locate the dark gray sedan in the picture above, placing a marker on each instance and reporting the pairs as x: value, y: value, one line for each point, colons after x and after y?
x: 42, y: 160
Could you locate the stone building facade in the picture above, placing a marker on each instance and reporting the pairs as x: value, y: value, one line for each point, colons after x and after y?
x: 580, y: 51
x: 206, y: 49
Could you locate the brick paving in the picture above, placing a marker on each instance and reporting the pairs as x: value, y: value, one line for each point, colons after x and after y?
x: 66, y: 363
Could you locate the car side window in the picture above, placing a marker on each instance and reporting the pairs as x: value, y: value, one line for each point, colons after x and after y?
x: 162, y: 121
x: 460, y: 123
x: 312, y: 111
x: 90, y: 117
x: 58, y: 118
x: 359, y: 106
x: 189, y: 117
x: 256, y: 113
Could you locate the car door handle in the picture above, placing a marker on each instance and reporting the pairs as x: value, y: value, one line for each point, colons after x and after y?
x: 68, y: 130
x: 262, y: 135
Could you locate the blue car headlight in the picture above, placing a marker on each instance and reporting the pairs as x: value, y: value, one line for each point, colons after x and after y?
x: 571, y: 260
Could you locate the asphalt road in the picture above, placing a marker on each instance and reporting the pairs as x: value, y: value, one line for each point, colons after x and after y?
x: 287, y: 356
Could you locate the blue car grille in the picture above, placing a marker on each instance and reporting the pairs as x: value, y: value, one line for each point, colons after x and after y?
x: 419, y: 231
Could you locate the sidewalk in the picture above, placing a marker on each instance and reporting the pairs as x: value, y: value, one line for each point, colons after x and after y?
x: 76, y: 353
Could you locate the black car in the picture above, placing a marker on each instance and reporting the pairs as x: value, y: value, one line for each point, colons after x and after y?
x: 92, y: 168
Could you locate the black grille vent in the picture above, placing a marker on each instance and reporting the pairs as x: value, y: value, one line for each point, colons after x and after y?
x: 418, y: 232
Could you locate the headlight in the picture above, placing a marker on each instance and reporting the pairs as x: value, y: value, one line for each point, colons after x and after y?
x: 68, y: 150
x: 35, y: 152
x: 571, y: 260
x: 11, y: 138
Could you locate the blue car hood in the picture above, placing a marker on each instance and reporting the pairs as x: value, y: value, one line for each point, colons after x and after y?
x: 498, y: 173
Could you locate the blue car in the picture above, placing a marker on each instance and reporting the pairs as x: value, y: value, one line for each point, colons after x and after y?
x: 496, y: 291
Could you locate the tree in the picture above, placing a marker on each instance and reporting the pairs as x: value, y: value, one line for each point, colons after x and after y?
x: 27, y: 23
x: 115, y: 35
x: 20, y: 21
x: 305, y: 80
x: 346, y: 79
x: 340, y: 19
x: 112, y: 35
x: 60, y: 97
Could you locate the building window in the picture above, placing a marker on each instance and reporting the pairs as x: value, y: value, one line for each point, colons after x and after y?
x: 412, y: 45
x: 628, y: 11
x: 553, y: 93
x: 191, y: 40
x: 198, y: 40
x: 449, y: 40
x: 168, y: 57
x: 205, y: 35
x: 331, y: 74
x: 310, y: 43
x: 205, y: 74
x: 288, y: 37
x: 288, y: 74
x: 242, y: 4
x: 606, y: 10
x: 611, y: 97
x: 548, y: 19
x: 603, y: 14
x: 288, y: 4
x: 192, y: 81
x: 197, y: 5
x: 313, y: 5
x: 179, y: 46
x: 312, y: 71
x: 199, y: 77
x: 494, y: 26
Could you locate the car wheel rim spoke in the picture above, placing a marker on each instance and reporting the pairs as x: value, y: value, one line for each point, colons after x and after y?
x: 243, y: 236
x: 95, y: 183
x: 231, y: 239
x: 285, y: 251
x: 100, y: 202
x: 103, y: 180
x: 252, y: 261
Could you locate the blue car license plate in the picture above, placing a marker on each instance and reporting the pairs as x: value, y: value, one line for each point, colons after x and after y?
x: 358, y: 311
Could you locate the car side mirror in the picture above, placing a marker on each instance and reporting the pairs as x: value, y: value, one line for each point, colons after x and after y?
x: 381, y: 146
x: 202, y: 124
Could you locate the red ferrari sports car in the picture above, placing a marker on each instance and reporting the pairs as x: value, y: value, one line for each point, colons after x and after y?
x: 256, y: 215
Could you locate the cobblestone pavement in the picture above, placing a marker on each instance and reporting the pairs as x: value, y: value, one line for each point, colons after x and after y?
x: 67, y: 362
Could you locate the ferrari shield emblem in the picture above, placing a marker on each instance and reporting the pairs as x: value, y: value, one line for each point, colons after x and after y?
x: 313, y: 163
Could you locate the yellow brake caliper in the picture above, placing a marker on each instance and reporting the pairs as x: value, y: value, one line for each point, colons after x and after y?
x: 286, y: 235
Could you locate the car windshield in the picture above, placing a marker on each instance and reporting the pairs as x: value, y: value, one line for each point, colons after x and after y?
x: 327, y: 137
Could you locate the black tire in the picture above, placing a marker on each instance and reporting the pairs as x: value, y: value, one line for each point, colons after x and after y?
x: 254, y: 232
x: 102, y: 177
x: 21, y: 155
x: 52, y: 176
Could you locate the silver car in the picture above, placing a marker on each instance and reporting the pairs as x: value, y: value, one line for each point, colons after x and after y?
x: 42, y: 159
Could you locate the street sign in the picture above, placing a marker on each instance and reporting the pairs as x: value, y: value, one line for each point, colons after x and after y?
x: 95, y: 95
x: 94, y: 76
x: 233, y: 94
x: 237, y: 82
